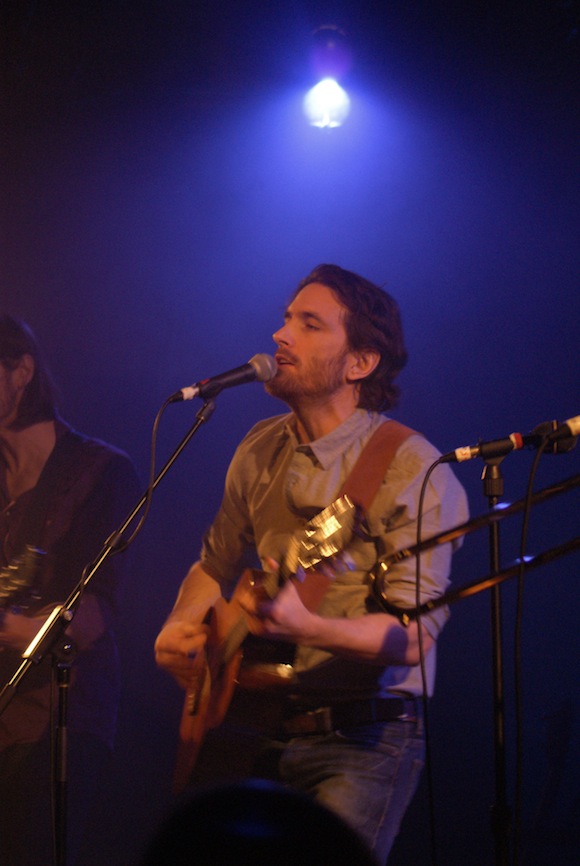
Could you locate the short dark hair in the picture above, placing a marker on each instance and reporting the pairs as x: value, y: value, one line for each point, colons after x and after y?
x: 373, y: 322
x: 255, y: 821
x: 39, y: 400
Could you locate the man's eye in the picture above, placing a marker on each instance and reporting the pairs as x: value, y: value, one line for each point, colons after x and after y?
x: 311, y: 327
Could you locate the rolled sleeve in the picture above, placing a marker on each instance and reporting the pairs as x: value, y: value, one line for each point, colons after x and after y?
x: 394, y: 519
x: 228, y: 544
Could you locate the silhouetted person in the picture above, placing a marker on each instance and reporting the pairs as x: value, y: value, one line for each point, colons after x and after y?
x: 255, y: 822
x: 63, y: 493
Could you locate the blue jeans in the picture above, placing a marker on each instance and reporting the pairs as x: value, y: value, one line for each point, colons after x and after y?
x: 368, y: 775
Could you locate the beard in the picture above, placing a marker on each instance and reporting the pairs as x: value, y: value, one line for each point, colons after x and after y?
x: 319, y: 380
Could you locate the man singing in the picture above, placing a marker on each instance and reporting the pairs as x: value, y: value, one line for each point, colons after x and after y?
x: 350, y: 732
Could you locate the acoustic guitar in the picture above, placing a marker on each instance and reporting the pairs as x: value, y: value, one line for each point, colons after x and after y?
x: 17, y: 580
x: 217, y: 670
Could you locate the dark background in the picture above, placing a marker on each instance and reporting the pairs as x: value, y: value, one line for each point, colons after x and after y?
x: 161, y: 196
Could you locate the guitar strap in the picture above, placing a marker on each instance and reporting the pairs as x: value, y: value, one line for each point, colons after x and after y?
x: 362, y: 485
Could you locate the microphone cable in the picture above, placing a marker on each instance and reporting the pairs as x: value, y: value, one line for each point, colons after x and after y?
x: 424, y: 685
x: 518, y: 681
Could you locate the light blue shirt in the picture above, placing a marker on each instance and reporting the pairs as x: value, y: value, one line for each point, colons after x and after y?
x: 274, y: 485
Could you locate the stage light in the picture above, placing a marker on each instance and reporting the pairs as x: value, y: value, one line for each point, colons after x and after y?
x: 327, y: 104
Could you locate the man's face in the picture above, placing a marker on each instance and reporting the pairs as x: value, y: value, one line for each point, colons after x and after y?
x: 313, y: 354
x: 10, y: 395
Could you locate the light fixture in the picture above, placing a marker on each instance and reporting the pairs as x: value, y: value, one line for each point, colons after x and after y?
x: 327, y: 104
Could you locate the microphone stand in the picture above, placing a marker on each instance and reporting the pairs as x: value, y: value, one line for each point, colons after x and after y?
x: 51, y: 639
x: 62, y: 663
x: 500, y: 813
x: 493, y: 486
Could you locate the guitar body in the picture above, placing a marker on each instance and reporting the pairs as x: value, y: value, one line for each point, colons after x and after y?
x: 229, y: 625
x: 219, y: 670
x: 213, y: 682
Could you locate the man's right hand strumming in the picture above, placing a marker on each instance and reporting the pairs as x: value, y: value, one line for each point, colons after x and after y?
x: 177, y: 647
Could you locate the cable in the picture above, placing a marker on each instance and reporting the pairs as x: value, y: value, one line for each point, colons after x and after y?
x: 518, y: 689
x: 428, y: 761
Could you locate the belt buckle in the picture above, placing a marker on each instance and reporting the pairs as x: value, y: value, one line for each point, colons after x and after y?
x: 408, y: 712
x: 322, y: 718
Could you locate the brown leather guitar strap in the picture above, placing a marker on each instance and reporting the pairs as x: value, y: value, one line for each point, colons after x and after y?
x: 362, y: 485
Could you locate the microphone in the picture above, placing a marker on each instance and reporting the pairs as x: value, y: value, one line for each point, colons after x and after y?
x: 567, y: 430
x: 260, y: 368
x: 561, y: 438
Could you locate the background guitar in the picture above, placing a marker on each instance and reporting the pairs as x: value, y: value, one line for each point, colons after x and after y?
x: 17, y: 580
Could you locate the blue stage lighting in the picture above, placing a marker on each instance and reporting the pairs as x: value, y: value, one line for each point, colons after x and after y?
x: 326, y: 105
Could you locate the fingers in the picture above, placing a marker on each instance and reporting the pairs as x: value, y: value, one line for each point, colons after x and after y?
x: 272, y: 564
x: 179, y: 649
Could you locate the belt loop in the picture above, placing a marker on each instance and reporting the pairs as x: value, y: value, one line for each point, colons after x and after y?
x: 324, y: 722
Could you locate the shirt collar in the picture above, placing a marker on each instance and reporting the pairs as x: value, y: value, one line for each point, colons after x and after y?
x: 330, y: 447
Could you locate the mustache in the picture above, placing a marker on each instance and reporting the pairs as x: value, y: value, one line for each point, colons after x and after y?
x: 285, y: 356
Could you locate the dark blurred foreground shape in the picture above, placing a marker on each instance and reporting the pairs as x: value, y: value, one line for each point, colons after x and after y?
x: 254, y: 822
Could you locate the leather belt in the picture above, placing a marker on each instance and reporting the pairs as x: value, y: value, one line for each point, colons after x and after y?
x: 350, y: 714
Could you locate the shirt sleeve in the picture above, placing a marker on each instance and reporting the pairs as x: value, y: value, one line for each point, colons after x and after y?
x: 394, y: 520
x: 228, y: 545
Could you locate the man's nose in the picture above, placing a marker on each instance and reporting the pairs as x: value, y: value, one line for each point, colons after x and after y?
x: 282, y: 336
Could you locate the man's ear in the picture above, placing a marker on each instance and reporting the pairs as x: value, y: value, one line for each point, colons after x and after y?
x: 362, y: 365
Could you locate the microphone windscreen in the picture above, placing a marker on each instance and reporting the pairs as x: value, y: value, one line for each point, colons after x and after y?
x: 265, y: 367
